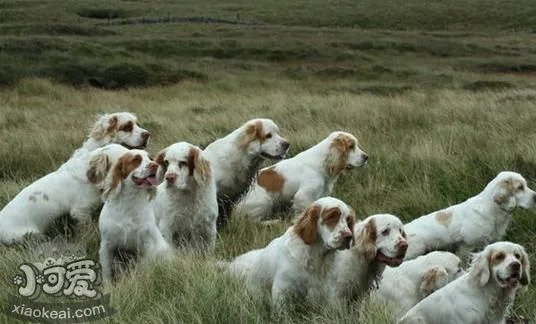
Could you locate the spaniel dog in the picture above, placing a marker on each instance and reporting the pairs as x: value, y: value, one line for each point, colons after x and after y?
x: 236, y: 158
x: 68, y: 191
x: 479, y: 220
x: 480, y: 296
x: 290, y: 262
x: 127, y: 220
x: 379, y: 241
x: 404, y: 286
x: 185, y: 204
x: 302, y: 179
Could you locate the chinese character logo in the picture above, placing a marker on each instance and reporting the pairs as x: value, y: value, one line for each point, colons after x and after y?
x: 58, y: 277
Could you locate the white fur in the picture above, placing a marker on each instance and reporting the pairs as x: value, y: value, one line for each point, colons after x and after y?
x: 404, y: 286
x: 235, y: 159
x: 306, y: 178
x: 288, y: 264
x: 185, y: 205
x: 379, y: 240
x: 479, y: 220
x: 127, y: 219
x: 480, y: 296
x: 66, y: 191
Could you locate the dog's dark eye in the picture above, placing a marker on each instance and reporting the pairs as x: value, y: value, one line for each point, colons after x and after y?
x: 518, y: 256
x: 499, y: 257
x: 385, y: 232
x: 166, y: 163
x: 182, y: 164
x: 403, y: 234
x: 269, y: 135
x: 520, y: 187
x: 127, y: 127
x: 352, y: 146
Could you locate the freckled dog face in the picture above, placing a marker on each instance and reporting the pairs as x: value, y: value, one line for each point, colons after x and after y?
x: 382, y: 237
x: 136, y: 167
x: 511, y: 190
x: 121, y: 128
x: 182, y: 164
x: 262, y: 138
x: 329, y: 220
x: 345, y: 153
x: 509, y: 265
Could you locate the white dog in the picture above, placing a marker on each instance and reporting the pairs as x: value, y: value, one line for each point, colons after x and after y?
x: 68, y: 190
x: 186, y: 207
x: 475, y: 222
x: 379, y: 241
x: 480, y: 296
x: 290, y: 262
x: 302, y: 179
x: 127, y: 219
x: 236, y: 158
x: 404, y: 286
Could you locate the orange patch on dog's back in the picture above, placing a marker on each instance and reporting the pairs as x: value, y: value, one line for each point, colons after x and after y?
x: 443, y: 217
x: 270, y: 180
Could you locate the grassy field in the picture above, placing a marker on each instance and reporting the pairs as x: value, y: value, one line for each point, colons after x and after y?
x: 440, y: 94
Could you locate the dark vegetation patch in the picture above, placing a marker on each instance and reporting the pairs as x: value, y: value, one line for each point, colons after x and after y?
x: 380, y: 90
x: 55, y: 30
x: 225, y: 49
x: 179, y: 20
x: 421, y: 45
x: 487, y: 85
x: 103, y: 13
x: 506, y: 67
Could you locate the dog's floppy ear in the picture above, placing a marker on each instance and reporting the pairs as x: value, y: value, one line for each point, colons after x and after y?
x: 479, y: 270
x: 307, y: 225
x: 366, y: 238
x: 98, y: 167
x: 120, y: 171
x: 198, y: 166
x: 433, y: 279
x: 525, y: 276
x: 106, y: 125
x: 162, y: 165
x: 504, y: 196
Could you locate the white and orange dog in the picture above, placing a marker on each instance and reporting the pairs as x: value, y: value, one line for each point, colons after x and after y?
x: 127, y: 221
x: 185, y: 205
x: 480, y: 296
x: 404, y: 286
x: 237, y: 157
x: 379, y: 241
x: 479, y: 220
x: 302, y: 179
x: 68, y: 190
x: 286, y: 267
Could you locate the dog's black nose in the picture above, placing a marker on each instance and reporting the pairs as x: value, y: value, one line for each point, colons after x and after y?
x: 285, y: 145
x: 515, y: 266
x: 365, y: 157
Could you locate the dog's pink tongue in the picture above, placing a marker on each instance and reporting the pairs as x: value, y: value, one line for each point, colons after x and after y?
x: 152, y: 181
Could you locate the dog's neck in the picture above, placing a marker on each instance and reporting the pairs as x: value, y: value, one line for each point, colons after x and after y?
x: 194, y: 195
x: 499, y: 299
x: 136, y: 196
x: 311, y: 157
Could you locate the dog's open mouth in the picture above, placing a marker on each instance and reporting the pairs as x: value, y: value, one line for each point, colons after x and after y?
x: 510, y: 282
x: 139, y: 147
x: 392, y: 262
x: 149, y: 180
x: 273, y: 157
x: 349, y: 166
